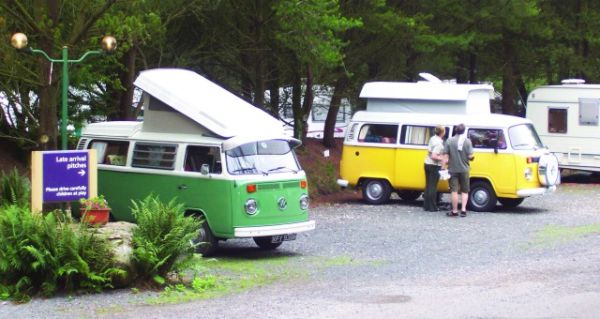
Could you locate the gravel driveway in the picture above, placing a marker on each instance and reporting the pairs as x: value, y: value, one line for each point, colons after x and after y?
x: 540, y: 260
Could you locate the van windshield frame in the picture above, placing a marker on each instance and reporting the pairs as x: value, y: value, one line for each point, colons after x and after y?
x: 524, y: 137
x: 262, y: 158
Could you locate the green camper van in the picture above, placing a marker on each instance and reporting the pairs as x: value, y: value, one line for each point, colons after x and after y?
x: 229, y: 162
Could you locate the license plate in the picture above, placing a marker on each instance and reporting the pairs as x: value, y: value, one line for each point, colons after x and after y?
x: 285, y: 237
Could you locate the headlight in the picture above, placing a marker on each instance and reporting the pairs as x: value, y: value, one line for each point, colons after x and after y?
x: 527, y: 174
x: 304, y: 202
x: 251, y: 206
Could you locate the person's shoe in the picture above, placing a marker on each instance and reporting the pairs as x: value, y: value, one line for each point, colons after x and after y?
x: 452, y: 214
x: 463, y: 213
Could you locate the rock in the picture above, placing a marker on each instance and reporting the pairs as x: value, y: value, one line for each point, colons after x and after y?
x: 120, y: 235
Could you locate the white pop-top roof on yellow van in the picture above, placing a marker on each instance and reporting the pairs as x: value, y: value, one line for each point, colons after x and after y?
x: 491, y: 120
x: 207, y: 104
x: 428, y: 97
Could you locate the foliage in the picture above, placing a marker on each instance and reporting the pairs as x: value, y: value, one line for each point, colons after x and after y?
x: 322, y: 179
x: 162, y: 240
x: 14, y: 189
x: 94, y: 203
x: 50, y: 253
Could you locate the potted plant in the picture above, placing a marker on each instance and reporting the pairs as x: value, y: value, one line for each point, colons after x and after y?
x: 94, y: 210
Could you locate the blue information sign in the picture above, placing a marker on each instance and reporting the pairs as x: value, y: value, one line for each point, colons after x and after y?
x: 65, y: 176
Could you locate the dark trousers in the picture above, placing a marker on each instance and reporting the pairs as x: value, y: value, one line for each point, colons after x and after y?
x: 432, y: 177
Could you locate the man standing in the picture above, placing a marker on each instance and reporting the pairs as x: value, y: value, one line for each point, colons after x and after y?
x: 460, y: 151
x: 433, y: 163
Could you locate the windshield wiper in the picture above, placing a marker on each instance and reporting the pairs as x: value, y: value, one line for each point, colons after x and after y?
x: 282, y: 167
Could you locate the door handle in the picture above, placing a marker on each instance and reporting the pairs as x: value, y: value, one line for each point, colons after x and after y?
x: 182, y: 187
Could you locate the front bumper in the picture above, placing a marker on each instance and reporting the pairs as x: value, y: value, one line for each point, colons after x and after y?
x: 535, y: 191
x: 260, y: 231
x: 342, y: 183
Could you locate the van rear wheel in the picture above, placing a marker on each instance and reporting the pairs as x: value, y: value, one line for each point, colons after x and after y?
x: 266, y: 242
x: 376, y: 191
x: 482, y: 197
x: 510, y: 202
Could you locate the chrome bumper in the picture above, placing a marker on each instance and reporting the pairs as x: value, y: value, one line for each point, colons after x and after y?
x: 342, y: 183
x: 260, y: 231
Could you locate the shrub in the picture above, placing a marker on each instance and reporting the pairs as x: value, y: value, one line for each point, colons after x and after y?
x: 162, y: 240
x: 322, y: 179
x: 14, y: 189
x: 49, y: 253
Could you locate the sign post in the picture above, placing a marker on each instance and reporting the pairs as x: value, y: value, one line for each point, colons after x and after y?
x: 62, y: 176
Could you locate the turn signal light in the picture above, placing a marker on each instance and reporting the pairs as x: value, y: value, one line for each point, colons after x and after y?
x: 303, y: 184
x: 251, y: 188
x: 529, y: 160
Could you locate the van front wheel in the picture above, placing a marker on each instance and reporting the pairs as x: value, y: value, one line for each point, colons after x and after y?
x: 266, y: 242
x: 482, y: 197
x: 376, y: 191
x: 207, y: 242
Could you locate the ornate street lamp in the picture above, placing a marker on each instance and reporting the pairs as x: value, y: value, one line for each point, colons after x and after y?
x: 19, y: 42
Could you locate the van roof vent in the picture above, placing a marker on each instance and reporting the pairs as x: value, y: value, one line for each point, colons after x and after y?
x: 573, y: 81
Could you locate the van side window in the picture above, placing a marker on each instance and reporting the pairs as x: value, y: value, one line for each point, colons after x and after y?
x: 110, y: 152
x: 487, y: 138
x: 159, y: 156
x: 557, y: 120
x: 196, y: 156
x: 418, y: 135
x: 378, y: 133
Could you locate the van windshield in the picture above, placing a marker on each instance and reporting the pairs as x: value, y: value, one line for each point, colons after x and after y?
x: 264, y: 157
x: 524, y: 137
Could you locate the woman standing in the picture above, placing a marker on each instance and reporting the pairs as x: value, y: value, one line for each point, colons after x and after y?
x: 433, y: 162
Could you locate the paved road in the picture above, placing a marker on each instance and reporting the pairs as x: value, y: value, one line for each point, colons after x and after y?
x: 540, y: 260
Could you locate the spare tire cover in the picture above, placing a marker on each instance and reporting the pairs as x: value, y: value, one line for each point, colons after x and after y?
x: 548, y: 170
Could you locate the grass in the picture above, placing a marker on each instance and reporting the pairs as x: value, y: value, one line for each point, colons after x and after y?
x: 213, y: 278
x: 554, y: 233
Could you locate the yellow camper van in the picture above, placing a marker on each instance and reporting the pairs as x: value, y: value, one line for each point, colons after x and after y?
x: 385, y: 146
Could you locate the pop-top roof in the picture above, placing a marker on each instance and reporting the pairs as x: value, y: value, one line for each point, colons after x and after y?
x: 207, y: 104
x: 423, y: 90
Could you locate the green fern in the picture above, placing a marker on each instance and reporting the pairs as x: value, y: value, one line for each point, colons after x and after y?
x: 161, y: 242
x: 14, y: 189
x: 49, y: 253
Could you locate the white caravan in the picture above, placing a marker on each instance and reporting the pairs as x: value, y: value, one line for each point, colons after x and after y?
x: 318, y: 114
x: 566, y: 119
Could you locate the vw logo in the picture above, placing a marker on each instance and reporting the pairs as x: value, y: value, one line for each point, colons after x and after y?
x: 282, y: 203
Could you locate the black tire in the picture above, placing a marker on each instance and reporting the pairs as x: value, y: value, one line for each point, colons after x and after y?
x: 482, y: 197
x: 376, y: 191
x: 265, y: 243
x: 510, y: 202
x: 207, y: 242
x: 409, y: 195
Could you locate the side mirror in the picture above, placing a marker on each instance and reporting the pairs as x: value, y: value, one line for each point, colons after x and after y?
x: 204, y: 169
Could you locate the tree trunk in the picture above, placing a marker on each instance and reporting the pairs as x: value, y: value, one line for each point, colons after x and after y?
x: 297, y: 106
x: 308, y: 101
x: 508, y: 77
x: 127, y: 77
x: 329, y: 130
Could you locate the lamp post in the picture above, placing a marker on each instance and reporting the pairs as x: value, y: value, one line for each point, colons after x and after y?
x: 109, y: 44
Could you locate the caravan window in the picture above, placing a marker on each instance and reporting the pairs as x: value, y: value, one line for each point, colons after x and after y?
x: 557, y: 120
x: 378, y: 133
x: 158, y: 156
x: 484, y: 138
x: 588, y: 111
x: 110, y: 152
